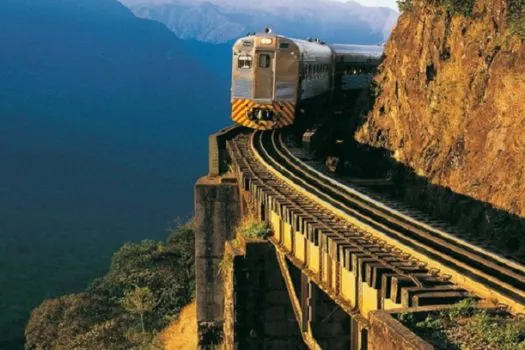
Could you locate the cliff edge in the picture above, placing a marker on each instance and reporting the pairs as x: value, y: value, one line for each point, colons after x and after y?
x: 451, y: 98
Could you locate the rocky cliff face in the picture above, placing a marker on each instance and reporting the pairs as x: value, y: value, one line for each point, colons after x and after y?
x: 451, y: 101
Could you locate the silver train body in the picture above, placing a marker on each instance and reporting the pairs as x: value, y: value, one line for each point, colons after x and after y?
x: 273, y: 77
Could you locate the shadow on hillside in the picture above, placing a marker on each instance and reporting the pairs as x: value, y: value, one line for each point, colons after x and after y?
x: 503, y: 231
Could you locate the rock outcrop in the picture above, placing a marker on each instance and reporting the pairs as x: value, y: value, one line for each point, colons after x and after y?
x: 451, y: 101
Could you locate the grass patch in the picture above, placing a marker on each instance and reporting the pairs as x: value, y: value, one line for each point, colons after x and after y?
x: 252, y: 228
x: 466, y: 327
x: 256, y: 230
x: 249, y: 228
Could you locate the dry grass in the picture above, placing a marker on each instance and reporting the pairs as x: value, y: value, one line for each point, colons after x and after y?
x: 181, y: 334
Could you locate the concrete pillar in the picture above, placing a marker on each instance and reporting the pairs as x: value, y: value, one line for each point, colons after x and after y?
x: 217, y: 213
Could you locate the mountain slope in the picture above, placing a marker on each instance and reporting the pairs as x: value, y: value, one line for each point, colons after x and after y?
x: 104, y: 120
x: 219, y: 21
x: 451, y: 109
x: 73, y: 53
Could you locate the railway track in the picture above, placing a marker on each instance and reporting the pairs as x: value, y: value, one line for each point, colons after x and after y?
x: 408, y: 261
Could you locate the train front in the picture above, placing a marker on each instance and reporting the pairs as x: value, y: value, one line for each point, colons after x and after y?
x: 265, y: 76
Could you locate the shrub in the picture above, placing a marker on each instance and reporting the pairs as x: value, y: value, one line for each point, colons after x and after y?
x: 139, y: 301
x: 454, y: 7
x: 461, y: 7
x: 496, y: 331
x: 97, y: 318
x: 516, y: 8
x: 251, y: 228
x: 405, y: 5
x: 487, y: 328
x: 516, y: 17
x: 464, y: 308
x: 256, y: 230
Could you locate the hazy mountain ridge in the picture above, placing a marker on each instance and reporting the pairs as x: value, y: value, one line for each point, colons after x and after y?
x: 219, y: 21
x: 62, y: 61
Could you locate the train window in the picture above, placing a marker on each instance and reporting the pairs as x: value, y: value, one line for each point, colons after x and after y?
x: 284, y: 45
x: 244, y: 62
x: 264, y: 60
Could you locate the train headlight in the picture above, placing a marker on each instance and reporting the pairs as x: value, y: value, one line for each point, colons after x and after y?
x: 266, y: 41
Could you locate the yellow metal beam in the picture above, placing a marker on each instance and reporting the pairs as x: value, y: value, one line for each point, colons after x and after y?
x: 462, y: 280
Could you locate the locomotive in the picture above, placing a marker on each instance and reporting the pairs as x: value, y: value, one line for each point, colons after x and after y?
x: 276, y: 78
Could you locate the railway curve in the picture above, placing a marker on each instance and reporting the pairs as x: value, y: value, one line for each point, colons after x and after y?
x: 476, y: 269
x: 350, y: 227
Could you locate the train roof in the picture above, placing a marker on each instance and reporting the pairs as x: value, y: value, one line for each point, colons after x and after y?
x: 312, y: 50
x: 316, y: 50
x: 372, y: 51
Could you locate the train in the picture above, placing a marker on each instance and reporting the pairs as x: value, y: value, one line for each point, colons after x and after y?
x: 276, y: 79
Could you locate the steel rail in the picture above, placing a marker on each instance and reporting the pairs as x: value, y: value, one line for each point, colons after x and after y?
x: 478, y: 265
x: 258, y: 145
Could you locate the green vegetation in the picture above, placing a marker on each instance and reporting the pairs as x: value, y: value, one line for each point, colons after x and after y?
x: 405, y: 5
x: 138, y: 301
x: 250, y: 227
x: 454, y: 7
x: 255, y: 230
x: 516, y: 17
x: 457, y: 7
x: 516, y: 10
x: 145, y: 288
x: 466, y: 327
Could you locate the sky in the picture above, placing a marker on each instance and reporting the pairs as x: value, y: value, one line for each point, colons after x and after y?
x: 385, y: 3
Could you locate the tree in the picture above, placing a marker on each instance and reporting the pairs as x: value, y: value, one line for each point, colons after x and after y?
x: 139, y: 301
x: 101, y: 317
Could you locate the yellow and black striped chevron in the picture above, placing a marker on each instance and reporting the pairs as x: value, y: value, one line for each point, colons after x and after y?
x: 285, y: 112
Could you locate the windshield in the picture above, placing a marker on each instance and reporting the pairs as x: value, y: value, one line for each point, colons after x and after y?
x: 244, y: 62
